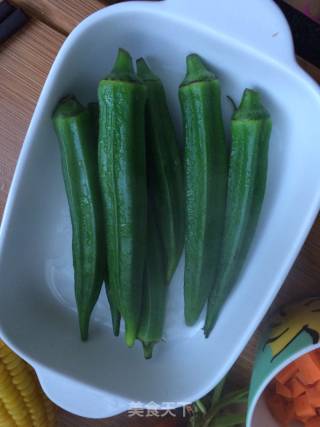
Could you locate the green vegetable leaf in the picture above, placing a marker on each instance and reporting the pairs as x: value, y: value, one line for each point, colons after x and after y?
x: 201, y: 406
x: 229, y: 420
x: 234, y: 398
x: 217, y: 392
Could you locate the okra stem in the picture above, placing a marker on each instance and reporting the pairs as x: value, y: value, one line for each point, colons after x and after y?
x: 123, y: 67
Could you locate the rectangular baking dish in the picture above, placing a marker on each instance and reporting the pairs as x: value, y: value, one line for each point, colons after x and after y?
x: 248, y: 46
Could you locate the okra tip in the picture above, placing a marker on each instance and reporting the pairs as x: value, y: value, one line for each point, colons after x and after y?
x: 143, y: 70
x: 123, y: 67
x: 147, y: 349
x: 251, y: 107
x: 67, y: 106
x: 191, y: 317
x: 206, y: 332
x: 196, y: 70
x: 84, y: 328
x: 213, y: 312
x: 116, y: 326
x: 130, y: 337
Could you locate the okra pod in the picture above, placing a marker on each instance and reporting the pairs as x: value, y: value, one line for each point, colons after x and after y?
x: 78, y: 146
x: 164, y: 169
x: 122, y: 170
x: 205, y: 166
x: 155, y: 289
x: 251, y: 130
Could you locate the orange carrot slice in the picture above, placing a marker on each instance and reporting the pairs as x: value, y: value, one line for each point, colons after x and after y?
x: 313, y: 422
x: 309, y: 368
x: 304, y: 420
x: 301, y: 378
x: 313, y: 395
x: 283, y: 390
x: 303, y: 409
x: 287, y: 373
x: 291, y: 414
x: 296, y: 387
x: 277, y: 407
x: 295, y: 392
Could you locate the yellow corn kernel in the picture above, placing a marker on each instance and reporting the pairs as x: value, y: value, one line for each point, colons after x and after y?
x: 13, y: 364
x: 22, y: 401
x: 19, y: 368
x: 5, y: 417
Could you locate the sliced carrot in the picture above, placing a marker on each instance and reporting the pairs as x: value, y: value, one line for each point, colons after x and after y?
x: 313, y: 395
x: 309, y: 368
x: 317, y: 353
x: 272, y: 387
x: 302, y: 379
x: 305, y: 420
x: 291, y: 414
x: 316, y: 359
x: 313, y: 422
x: 283, y: 390
x: 303, y: 409
x: 277, y: 407
x: 296, y: 387
x: 287, y: 373
x: 295, y: 392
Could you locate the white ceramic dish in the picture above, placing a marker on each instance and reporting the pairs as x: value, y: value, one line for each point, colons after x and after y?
x: 249, y: 45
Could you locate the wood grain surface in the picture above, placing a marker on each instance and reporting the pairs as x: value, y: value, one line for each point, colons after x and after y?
x: 24, y: 64
x: 25, y: 61
x: 62, y: 15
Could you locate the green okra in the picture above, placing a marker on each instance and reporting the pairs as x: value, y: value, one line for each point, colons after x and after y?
x: 206, y: 171
x: 155, y: 290
x: 122, y: 170
x: 93, y: 108
x: 251, y: 130
x: 78, y: 146
x: 165, y: 171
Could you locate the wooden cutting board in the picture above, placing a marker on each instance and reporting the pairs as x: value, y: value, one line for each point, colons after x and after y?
x: 25, y: 61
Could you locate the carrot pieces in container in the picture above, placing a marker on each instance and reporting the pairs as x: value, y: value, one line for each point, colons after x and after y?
x: 278, y: 407
x: 303, y: 408
x: 294, y: 394
x: 283, y: 390
x: 313, y: 422
x: 313, y: 395
x: 309, y: 368
x: 296, y: 387
x: 287, y: 373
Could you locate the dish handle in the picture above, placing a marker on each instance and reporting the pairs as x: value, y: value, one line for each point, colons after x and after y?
x: 80, y: 400
x: 257, y: 24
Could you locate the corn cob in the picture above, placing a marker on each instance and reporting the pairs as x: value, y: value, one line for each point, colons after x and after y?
x: 22, y: 402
